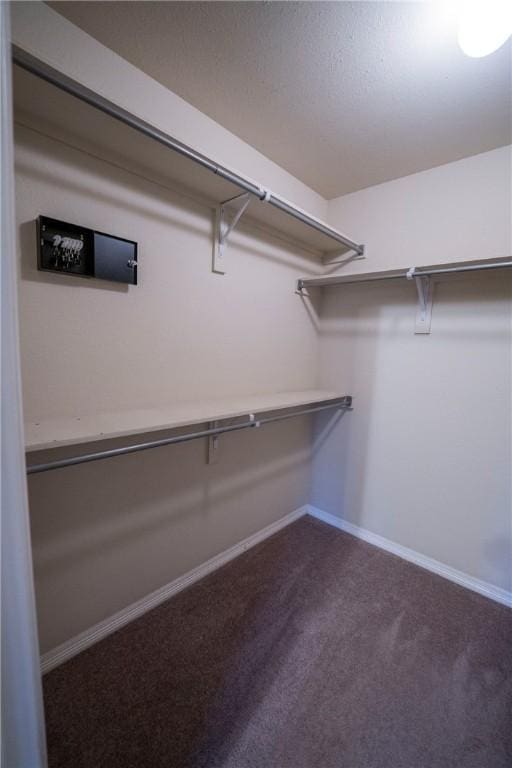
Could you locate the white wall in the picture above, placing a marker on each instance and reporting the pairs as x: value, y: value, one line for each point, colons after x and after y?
x: 184, y: 332
x: 107, y: 534
x: 425, y: 458
x: 456, y: 212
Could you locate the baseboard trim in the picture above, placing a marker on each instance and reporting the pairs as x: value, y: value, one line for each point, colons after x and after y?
x: 94, y: 634
x: 459, y: 577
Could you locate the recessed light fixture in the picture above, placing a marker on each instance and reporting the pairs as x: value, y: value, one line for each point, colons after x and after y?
x: 484, y: 25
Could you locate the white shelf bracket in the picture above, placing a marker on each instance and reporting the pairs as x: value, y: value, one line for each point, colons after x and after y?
x: 227, y: 216
x: 213, y: 440
x: 425, y: 288
x: 213, y: 444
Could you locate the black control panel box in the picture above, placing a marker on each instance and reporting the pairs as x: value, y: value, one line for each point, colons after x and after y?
x: 74, y: 250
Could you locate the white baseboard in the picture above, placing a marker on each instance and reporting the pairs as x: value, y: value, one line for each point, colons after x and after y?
x: 463, y: 579
x: 85, y: 639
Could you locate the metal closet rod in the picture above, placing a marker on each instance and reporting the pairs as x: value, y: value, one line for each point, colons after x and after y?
x: 39, y: 68
x: 411, y: 273
x: 343, y: 403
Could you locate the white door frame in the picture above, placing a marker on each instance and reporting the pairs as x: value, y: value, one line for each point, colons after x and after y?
x: 23, y: 736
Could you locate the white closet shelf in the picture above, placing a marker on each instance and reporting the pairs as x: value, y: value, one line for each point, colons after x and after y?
x: 88, y: 121
x: 421, y: 277
x: 44, y: 435
x: 431, y: 270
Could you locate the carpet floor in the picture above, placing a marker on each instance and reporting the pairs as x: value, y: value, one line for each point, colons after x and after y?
x: 312, y: 650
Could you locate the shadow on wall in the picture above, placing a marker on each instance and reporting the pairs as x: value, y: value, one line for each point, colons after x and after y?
x: 108, y: 533
x: 497, y: 554
x: 424, y: 458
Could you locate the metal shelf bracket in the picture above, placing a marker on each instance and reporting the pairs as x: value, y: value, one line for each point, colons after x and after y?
x: 227, y: 216
x: 425, y: 288
x: 213, y: 443
x: 213, y: 440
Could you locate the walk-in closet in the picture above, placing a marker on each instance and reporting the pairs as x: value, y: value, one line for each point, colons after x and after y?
x: 256, y: 384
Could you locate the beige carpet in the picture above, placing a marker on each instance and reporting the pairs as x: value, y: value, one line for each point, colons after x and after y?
x: 312, y: 650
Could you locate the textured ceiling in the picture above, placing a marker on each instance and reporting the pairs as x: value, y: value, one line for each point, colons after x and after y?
x: 343, y: 95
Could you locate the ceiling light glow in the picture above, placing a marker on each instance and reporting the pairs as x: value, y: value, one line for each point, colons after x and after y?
x: 484, y: 25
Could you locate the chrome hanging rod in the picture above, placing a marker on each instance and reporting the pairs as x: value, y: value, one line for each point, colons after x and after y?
x: 343, y: 403
x: 39, y: 68
x: 395, y: 274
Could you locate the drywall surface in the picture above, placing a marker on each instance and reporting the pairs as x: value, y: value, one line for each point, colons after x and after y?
x: 109, y: 533
x: 47, y: 35
x: 456, y: 212
x: 425, y: 457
